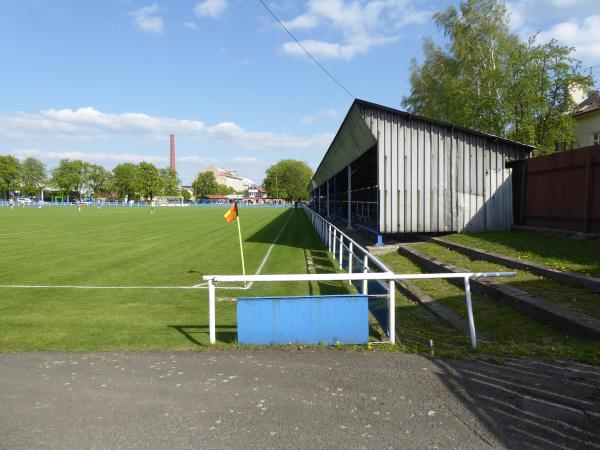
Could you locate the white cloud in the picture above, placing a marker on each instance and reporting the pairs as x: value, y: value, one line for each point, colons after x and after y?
x: 89, y: 156
x: 192, y: 159
x: 85, y: 124
x: 191, y: 26
x: 148, y: 19
x: 583, y: 34
x: 230, y: 132
x: 89, y: 125
x: 210, y: 8
x: 245, y: 160
x: 362, y: 25
x: 312, y: 118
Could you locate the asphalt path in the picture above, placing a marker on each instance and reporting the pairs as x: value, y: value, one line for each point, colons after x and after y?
x: 320, y: 398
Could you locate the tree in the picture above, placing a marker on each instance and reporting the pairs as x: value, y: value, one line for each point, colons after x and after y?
x: 124, y: 180
x: 11, y: 172
x: 71, y: 176
x: 186, y: 195
x: 205, y: 184
x: 487, y: 79
x: 34, y: 176
x: 98, y: 179
x: 171, y: 182
x: 148, y: 182
x: 288, y: 179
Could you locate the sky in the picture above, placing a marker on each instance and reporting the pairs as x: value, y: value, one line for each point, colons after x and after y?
x: 108, y: 81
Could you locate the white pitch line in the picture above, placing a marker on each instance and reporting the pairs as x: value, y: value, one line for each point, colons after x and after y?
x: 20, y: 232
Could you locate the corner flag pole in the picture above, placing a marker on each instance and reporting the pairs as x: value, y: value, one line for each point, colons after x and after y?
x: 241, y: 246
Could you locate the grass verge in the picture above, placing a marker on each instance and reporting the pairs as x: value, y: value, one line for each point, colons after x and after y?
x: 507, y: 332
x: 561, y: 253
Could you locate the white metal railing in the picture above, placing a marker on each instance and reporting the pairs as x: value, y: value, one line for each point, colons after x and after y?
x: 389, y: 276
x: 336, y: 241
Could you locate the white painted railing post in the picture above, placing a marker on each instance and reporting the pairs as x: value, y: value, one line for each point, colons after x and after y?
x: 333, y: 242
x: 470, y: 313
x: 392, y: 316
x: 329, y: 236
x: 365, y: 286
x: 212, y: 335
x: 350, y: 259
x: 341, y: 254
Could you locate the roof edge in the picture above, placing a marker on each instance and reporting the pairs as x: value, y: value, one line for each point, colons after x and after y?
x: 439, y: 122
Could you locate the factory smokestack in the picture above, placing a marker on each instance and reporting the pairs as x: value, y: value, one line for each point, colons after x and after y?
x: 172, y: 166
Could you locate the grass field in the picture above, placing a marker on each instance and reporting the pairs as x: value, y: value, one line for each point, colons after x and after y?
x: 130, y: 247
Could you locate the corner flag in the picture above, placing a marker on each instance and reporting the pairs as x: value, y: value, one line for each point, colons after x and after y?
x: 231, y: 214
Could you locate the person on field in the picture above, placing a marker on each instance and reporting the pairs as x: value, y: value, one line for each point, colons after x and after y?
x: 152, y: 205
x: 78, y: 205
x: 11, y: 202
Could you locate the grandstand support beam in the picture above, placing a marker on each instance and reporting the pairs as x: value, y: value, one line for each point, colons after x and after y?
x: 349, y: 224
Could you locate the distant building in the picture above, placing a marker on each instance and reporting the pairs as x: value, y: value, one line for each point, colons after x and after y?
x: 230, y: 178
x: 587, y: 117
x: 214, y: 198
x: 256, y: 192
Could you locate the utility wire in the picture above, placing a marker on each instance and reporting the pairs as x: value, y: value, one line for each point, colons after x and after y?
x: 306, y: 51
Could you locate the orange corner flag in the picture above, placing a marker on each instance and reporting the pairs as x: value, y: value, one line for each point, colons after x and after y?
x: 231, y: 214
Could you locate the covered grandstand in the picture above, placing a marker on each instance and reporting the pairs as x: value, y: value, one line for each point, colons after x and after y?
x: 392, y: 172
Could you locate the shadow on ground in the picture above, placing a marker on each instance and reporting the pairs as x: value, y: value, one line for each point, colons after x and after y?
x: 530, y: 403
x: 228, y: 335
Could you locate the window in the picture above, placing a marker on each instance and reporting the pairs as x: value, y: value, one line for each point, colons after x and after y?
x: 596, y: 137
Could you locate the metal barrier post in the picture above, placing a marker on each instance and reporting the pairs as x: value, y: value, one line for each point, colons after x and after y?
x: 211, y: 312
x: 392, y: 312
x: 350, y: 259
x: 470, y: 313
x: 341, y: 254
x: 333, y: 242
x: 365, y: 286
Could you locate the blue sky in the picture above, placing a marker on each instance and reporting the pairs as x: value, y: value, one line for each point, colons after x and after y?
x: 107, y: 81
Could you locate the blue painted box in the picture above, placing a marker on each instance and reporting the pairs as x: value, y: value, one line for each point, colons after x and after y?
x: 303, y: 320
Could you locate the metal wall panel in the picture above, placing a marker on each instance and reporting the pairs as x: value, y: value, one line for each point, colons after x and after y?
x: 434, y: 178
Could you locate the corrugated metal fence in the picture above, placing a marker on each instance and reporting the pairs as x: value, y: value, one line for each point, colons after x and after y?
x: 559, y: 191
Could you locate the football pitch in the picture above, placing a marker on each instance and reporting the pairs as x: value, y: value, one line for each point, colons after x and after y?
x: 123, y: 279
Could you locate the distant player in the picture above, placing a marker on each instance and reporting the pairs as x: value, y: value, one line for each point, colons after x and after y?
x: 78, y: 205
x: 152, y: 205
x: 11, y: 203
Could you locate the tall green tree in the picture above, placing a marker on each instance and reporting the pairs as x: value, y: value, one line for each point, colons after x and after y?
x: 11, y: 172
x: 171, y: 182
x: 34, y: 176
x: 487, y: 79
x: 71, y: 176
x: 288, y: 179
x: 98, y: 179
x: 205, y: 184
x: 148, y: 182
x: 124, y: 180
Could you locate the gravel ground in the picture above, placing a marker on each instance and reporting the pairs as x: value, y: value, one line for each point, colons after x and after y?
x: 319, y: 398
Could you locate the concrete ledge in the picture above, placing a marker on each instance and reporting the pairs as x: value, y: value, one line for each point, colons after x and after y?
x: 541, y: 310
x: 571, y: 278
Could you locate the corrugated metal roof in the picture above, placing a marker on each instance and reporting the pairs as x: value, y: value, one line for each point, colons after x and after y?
x: 352, y: 140
x: 355, y: 138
